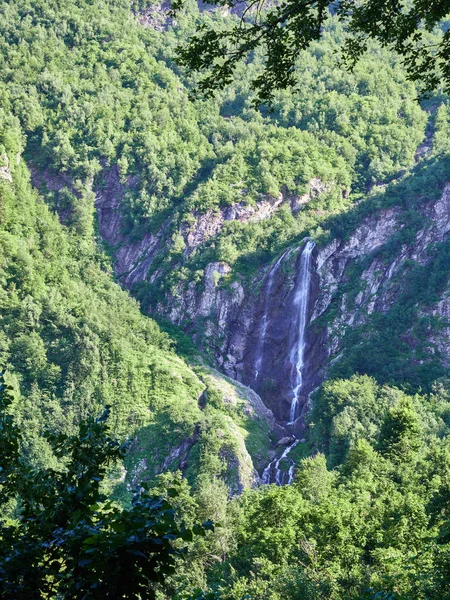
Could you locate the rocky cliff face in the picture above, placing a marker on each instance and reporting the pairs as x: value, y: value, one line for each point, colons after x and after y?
x: 205, y: 410
x: 381, y: 277
x: 226, y: 316
x: 232, y: 318
x: 223, y: 319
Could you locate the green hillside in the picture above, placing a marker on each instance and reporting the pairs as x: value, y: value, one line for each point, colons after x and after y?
x: 73, y: 342
x: 88, y: 88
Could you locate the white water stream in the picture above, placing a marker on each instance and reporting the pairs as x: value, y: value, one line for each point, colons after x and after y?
x: 281, y: 477
x: 301, y: 299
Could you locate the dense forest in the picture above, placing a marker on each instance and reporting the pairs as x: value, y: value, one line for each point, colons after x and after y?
x: 91, y: 92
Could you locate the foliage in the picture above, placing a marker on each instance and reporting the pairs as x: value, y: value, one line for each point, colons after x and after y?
x: 355, y: 141
x: 374, y: 526
x: 85, y: 92
x: 85, y: 105
x: 284, y: 31
x: 68, y: 540
x: 101, y: 91
x: 73, y: 341
x: 420, y: 286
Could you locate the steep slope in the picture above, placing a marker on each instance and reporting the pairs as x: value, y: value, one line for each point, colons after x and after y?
x: 393, y: 279
x: 378, y: 299
x: 72, y: 342
x: 206, y: 208
x: 299, y: 250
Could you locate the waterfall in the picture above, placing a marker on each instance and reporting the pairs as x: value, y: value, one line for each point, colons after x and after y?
x: 281, y: 477
x: 264, y: 320
x: 301, y: 314
x: 273, y: 472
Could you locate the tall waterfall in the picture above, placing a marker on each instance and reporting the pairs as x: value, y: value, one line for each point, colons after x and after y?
x: 264, y: 320
x: 301, y: 299
x: 274, y: 473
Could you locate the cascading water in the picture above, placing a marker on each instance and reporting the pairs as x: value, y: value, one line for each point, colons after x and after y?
x: 264, y: 320
x: 301, y: 299
x: 281, y: 477
x: 273, y: 473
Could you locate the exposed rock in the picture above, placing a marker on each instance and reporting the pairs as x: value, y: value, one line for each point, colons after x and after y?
x: 5, y: 173
x: 378, y: 280
x: 156, y: 16
x: 240, y: 472
x: 237, y: 9
x: 209, y: 224
x: 135, y: 477
x: 232, y: 314
x: 440, y: 337
x: 317, y: 187
x: 286, y: 441
x: 236, y: 393
x: 108, y: 202
x: 225, y: 316
x: 179, y: 452
x: 54, y: 182
x: 134, y: 259
x: 230, y: 332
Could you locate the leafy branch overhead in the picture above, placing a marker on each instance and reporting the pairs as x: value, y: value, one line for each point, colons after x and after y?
x: 282, y: 30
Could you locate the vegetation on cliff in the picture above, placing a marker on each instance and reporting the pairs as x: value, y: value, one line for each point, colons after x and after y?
x: 282, y: 31
x: 73, y: 342
x: 84, y: 87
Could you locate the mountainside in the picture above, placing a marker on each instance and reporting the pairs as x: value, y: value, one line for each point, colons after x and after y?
x: 205, y: 217
x: 260, y: 296
x: 73, y: 342
x: 396, y: 235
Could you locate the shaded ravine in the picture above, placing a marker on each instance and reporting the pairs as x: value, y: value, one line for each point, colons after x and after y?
x: 265, y: 319
x: 273, y: 473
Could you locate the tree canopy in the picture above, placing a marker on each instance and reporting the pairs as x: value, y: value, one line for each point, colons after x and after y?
x: 283, y: 29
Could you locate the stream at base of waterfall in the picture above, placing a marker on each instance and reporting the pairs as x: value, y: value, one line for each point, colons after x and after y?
x: 273, y: 473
